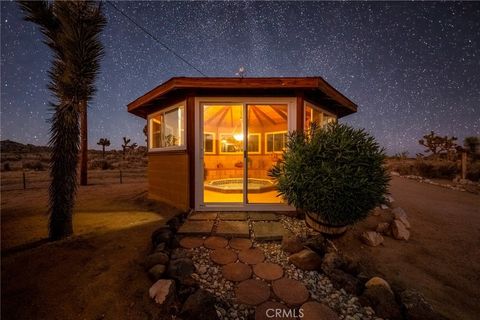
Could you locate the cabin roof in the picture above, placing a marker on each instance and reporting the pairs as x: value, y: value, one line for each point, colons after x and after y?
x: 314, y: 89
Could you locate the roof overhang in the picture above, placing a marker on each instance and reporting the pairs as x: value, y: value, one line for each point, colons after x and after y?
x: 315, y: 89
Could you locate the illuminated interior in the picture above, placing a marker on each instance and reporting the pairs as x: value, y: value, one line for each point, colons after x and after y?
x: 224, y: 141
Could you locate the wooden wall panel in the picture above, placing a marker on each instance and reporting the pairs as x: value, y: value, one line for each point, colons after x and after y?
x: 168, y: 178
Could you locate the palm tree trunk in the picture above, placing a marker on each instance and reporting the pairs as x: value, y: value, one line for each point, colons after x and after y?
x: 103, y: 151
x: 83, y: 144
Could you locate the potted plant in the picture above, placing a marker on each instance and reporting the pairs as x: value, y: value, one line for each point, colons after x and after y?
x: 334, y: 174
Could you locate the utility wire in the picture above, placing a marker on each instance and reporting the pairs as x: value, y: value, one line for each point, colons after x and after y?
x: 155, y: 38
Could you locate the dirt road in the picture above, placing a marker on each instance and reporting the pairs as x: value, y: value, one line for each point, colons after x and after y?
x: 442, y: 257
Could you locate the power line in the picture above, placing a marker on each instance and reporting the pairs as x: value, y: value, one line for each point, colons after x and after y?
x: 155, y: 38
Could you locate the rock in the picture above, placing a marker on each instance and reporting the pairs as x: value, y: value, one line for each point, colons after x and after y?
x: 240, y: 243
x: 178, y: 253
x: 399, y: 231
x: 180, y: 268
x: 163, y: 292
x: 292, y: 292
x: 402, y: 216
x: 313, y: 310
x: 371, y: 238
x: 318, y: 244
x: 174, y: 223
x: 382, y: 301
x: 342, y: 280
x: 415, y: 307
x: 383, y: 206
x: 252, y: 292
x: 268, y: 271
x: 236, y: 271
x: 157, y: 271
x: 161, y: 247
x: 306, y: 260
x: 223, y: 256
x: 202, y: 270
x: 377, y: 281
x: 156, y: 258
x: 191, y: 242
x: 162, y: 235
x: 332, y: 261
x: 215, y: 242
x: 200, y: 306
x: 394, y: 173
x: 291, y: 243
x: 382, y: 227
x: 251, y: 256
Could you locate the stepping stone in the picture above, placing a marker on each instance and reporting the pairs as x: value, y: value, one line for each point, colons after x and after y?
x: 240, y: 243
x: 215, y: 242
x: 203, y: 216
x: 236, y: 271
x: 223, y: 256
x: 261, y: 312
x: 233, y: 216
x: 251, y: 256
x: 196, y: 227
x: 268, y: 271
x: 263, y: 216
x: 252, y: 292
x: 233, y: 229
x: 268, y: 230
x: 191, y: 242
x: 292, y: 292
x: 313, y: 310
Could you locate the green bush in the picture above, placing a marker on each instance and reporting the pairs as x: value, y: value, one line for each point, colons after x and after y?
x: 34, y: 165
x: 100, y: 164
x: 473, y: 171
x: 336, y: 173
x: 436, y: 169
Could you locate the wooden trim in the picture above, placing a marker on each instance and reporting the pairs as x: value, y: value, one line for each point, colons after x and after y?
x: 300, y: 111
x: 191, y: 149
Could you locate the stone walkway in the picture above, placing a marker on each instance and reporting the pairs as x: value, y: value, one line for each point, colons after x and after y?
x: 262, y: 285
x: 254, y: 225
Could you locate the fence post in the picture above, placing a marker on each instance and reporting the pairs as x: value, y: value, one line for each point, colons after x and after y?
x: 121, y: 178
x: 24, y: 181
x: 464, y: 164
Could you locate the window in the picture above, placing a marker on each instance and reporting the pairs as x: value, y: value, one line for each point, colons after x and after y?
x: 231, y: 143
x: 254, y: 143
x: 209, y: 142
x: 275, y: 141
x: 317, y: 115
x: 167, y: 128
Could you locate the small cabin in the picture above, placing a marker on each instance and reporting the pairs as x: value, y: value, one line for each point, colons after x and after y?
x: 212, y: 141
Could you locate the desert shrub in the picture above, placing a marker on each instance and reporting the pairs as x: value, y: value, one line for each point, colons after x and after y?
x: 473, y: 171
x: 436, y: 169
x: 335, y: 174
x: 100, y: 164
x: 34, y: 165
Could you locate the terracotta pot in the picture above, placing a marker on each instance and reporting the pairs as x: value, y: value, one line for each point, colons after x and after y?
x: 316, y: 223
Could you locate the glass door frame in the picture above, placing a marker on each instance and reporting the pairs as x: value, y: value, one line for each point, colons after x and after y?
x: 200, y: 205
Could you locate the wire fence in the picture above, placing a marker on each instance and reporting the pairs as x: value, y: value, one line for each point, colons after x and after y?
x: 23, y: 180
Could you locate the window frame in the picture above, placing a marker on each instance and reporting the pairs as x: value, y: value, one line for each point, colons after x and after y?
x: 266, y: 141
x: 184, y: 124
x: 214, y: 145
x: 317, y: 108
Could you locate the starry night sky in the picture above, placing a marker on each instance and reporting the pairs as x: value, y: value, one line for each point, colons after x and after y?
x: 410, y: 67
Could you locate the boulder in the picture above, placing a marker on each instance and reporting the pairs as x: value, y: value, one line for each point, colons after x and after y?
x: 383, y: 227
x: 332, y: 261
x: 174, y: 223
x: 377, y: 281
x: 163, y: 292
x: 200, y: 306
x: 342, y: 280
x: 415, y: 307
x: 156, y: 258
x: 181, y: 268
x: 306, y: 260
x: 156, y: 272
x: 318, y: 244
x: 401, y: 216
x: 162, y: 235
x: 399, y: 231
x: 382, y: 301
x: 291, y: 243
x: 371, y: 238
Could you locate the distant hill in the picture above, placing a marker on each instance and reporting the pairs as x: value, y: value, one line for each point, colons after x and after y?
x: 17, y: 147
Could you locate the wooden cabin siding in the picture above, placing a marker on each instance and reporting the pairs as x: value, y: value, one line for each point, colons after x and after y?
x: 168, y: 178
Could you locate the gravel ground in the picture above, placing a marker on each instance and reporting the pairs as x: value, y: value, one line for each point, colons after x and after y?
x: 209, y: 276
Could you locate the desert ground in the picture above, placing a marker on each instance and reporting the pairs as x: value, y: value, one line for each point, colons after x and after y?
x: 97, y: 273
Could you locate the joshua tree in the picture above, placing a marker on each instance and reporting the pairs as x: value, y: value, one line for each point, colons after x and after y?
x: 437, y: 144
x: 72, y: 31
x: 125, y: 146
x: 104, y: 142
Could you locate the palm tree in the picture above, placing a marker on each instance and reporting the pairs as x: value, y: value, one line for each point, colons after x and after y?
x: 104, y: 142
x: 125, y: 146
x: 71, y: 29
